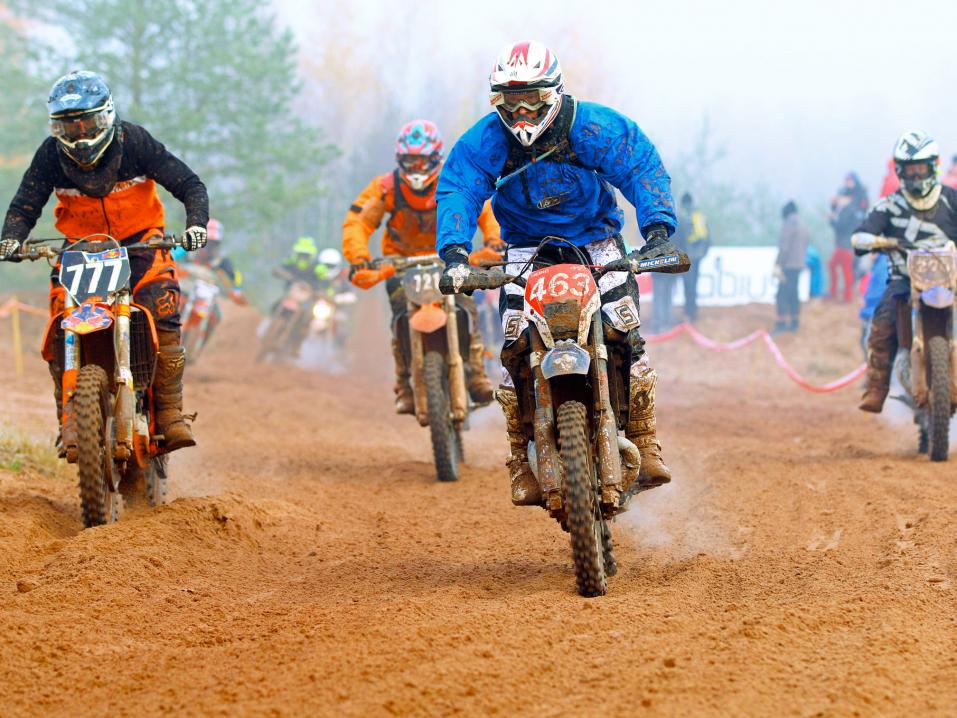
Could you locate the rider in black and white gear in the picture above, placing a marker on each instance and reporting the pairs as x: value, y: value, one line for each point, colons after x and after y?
x: 922, y: 213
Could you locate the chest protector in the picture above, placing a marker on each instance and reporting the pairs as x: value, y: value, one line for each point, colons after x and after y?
x: 411, y: 228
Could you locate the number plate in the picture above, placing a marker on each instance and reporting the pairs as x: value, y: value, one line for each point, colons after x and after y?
x: 560, y: 283
x: 93, y: 276
x: 422, y: 285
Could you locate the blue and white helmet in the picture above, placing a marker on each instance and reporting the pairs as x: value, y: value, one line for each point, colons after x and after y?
x: 82, y: 117
x: 916, y: 157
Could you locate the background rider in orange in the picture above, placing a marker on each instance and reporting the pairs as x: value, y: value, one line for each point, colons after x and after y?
x: 407, y: 195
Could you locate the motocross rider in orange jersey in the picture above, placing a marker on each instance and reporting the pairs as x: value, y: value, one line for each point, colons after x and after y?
x: 104, y: 172
x: 407, y: 194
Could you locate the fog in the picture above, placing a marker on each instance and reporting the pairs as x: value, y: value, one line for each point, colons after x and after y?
x: 797, y: 94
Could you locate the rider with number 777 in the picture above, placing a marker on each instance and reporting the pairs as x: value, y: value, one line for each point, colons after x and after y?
x: 550, y: 163
x: 104, y: 172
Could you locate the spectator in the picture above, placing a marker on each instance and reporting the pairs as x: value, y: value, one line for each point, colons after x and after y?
x: 691, y: 237
x: 792, y: 255
x: 950, y: 179
x: 848, y: 209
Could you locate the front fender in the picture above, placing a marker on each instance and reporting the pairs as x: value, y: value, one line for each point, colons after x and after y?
x: 567, y: 357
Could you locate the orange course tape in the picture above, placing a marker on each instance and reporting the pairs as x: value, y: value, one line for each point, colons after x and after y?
x: 703, y: 341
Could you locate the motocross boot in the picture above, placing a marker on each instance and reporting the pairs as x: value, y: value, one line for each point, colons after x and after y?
x: 168, y: 393
x: 642, y: 425
x: 880, y: 342
x: 404, y: 398
x: 525, y: 488
x: 479, y: 386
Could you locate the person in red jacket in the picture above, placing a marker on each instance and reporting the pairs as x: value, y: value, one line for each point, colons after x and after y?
x: 407, y: 195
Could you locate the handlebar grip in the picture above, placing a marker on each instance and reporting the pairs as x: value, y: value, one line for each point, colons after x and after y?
x: 476, y: 280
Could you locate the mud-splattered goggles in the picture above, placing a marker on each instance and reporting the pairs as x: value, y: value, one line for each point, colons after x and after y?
x: 82, y: 128
x: 530, y: 99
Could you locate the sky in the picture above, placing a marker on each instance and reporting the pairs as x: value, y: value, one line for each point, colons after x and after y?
x: 797, y: 94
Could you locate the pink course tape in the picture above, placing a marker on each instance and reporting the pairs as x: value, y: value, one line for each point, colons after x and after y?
x: 712, y: 345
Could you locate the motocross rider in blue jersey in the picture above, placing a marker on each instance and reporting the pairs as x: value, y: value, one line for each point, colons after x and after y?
x: 551, y: 164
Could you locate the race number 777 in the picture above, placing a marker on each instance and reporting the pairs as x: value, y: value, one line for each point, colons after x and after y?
x: 95, y: 270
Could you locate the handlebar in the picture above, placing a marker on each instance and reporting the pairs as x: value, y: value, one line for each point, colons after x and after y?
x: 33, y: 249
x: 401, y: 263
x: 496, y: 278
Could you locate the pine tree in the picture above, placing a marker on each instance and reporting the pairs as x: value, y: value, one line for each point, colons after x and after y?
x: 214, y: 80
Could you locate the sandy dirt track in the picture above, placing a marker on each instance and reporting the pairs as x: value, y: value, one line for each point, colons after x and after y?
x: 803, y: 562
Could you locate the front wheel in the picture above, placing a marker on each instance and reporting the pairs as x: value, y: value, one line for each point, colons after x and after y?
x: 590, y: 543
x: 940, y: 406
x: 91, y: 402
x: 444, y: 438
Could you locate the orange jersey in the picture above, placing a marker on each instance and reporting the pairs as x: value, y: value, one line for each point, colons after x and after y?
x: 410, y: 229
x: 130, y: 208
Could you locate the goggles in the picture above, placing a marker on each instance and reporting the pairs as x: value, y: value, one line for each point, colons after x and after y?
x: 530, y: 99
x: 418, y: 164
x: 82, y: 128
x: 917, y: 170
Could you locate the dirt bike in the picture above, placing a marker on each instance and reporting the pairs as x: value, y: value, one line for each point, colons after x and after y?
x: 433, y: 334
x: 108, y: 347
x: 926, y: 365
x: 288, y: 323
x: 329, y: 318
x: 573, y: 389
x: 200, y: 307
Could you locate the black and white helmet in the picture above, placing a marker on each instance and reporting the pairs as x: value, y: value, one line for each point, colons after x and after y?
x: 916, y: 157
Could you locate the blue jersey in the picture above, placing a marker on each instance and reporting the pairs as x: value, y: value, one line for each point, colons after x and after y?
x: 572, y: 197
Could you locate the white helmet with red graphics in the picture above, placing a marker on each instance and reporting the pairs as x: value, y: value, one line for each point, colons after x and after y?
x: 526, y: 89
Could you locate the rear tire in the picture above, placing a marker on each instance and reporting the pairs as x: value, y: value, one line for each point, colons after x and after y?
x: 91, y: 402
x: 940, y: 408
x: 581, y: 500
x: 436, y: 376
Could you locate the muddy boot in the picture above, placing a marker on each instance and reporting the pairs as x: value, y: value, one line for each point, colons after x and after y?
x: 642, y: 426
x: 879, y: 346
x: 404, y: 398
x: 168, y: 393
x: 479, y: 386
x: 525, y: 488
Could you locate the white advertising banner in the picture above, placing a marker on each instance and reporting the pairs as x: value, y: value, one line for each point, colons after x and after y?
x: 729, y: 276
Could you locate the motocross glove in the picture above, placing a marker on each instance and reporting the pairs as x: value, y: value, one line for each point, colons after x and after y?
x: 194, y: 238
x: 456, y: 271
x: 485, y: 254
x: 657, y: 243
x: 358, y: 266
x: 8, y: 248
x: 368, y: 278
